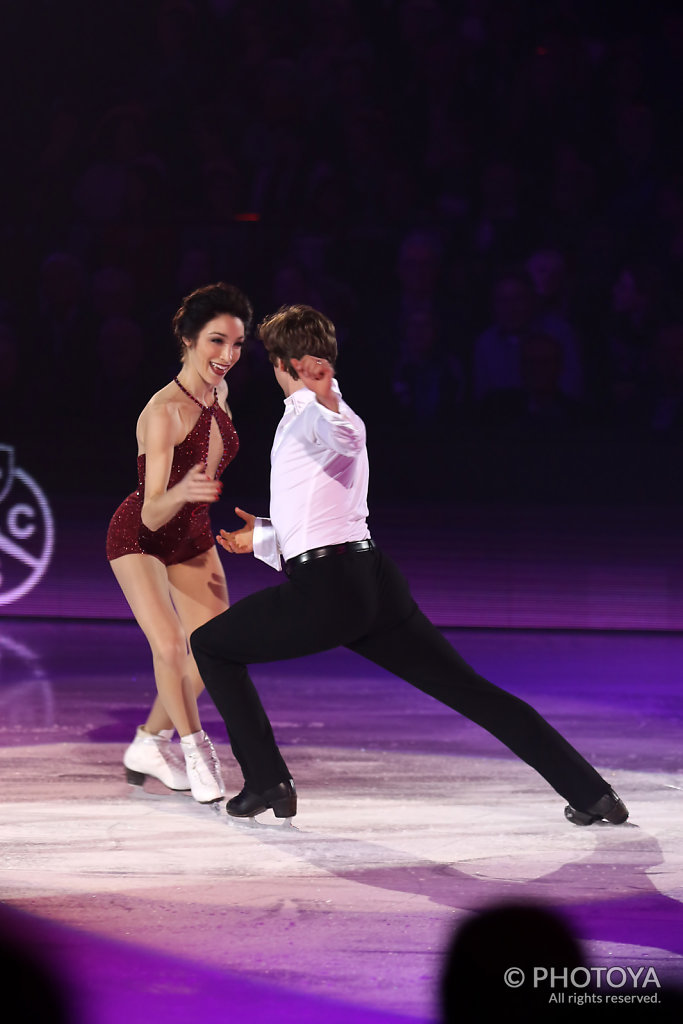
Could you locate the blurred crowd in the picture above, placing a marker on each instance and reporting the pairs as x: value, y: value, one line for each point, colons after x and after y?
x: 486, y: 197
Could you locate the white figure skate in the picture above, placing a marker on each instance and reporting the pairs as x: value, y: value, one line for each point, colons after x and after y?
x: 153, y: 755
x: 203, y: 768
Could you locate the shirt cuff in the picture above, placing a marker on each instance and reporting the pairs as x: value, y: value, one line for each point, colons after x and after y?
x: 265, y: 544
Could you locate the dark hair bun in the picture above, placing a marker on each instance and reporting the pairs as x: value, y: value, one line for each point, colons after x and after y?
x: 204, y: 304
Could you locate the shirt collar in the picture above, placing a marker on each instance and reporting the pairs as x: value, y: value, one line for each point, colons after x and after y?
x: 298, y: 399
x: 303, y: 396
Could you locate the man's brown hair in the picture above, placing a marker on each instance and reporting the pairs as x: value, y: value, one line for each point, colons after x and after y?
x: 297, y: 331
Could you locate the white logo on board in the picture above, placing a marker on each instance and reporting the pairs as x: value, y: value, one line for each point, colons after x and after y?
x: 26, y: 530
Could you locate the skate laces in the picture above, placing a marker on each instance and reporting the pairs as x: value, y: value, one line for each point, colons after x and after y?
x: 203, y: 760
x: 167, y: 750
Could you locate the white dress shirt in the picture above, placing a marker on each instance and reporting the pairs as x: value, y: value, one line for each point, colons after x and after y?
x: 318, y: 480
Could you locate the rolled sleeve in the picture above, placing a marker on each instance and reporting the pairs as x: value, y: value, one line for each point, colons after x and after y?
x: 342, y: 431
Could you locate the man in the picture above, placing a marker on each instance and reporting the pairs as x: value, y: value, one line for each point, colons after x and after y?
x: 343, y: 591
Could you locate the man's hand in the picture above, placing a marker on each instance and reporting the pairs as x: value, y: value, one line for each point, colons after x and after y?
x: 317, y: 375
x: 239, y: 542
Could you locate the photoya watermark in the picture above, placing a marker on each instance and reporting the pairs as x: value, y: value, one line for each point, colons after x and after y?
x: 579, y: 985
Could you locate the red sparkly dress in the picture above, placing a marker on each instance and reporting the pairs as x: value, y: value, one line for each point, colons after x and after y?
x: 189, y: 532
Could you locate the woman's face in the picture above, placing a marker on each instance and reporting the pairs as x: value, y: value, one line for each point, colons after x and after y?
x: 216, y: 348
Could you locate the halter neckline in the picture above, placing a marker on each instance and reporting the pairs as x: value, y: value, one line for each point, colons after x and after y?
x: 196, y: 400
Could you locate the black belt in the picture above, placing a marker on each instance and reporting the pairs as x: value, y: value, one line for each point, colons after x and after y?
x: 330, y: 549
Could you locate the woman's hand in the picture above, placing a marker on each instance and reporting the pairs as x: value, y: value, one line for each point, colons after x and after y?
x: 163, y: 430
x: 239, y: 542
x: 197, y: 486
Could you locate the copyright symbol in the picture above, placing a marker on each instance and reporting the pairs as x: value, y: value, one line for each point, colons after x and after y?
x: 514, y: 977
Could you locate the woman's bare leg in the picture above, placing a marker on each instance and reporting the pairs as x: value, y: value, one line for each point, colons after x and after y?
x: 157, y: 719
x: 199, y: 592
x: 145, y: 584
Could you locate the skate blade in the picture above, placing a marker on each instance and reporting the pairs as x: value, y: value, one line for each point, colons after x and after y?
x: 212, y: 808
x: 283, y: 826
x: 165, y: 793
x: 215, y: 807
x: 179, y: 796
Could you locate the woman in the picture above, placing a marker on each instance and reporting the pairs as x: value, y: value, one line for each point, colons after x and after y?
x: 160, y: 543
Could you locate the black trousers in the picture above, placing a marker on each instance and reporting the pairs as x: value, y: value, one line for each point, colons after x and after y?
x: 361, y: 601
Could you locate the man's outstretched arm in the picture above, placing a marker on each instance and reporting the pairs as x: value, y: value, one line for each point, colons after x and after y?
x: 257, y: 536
